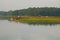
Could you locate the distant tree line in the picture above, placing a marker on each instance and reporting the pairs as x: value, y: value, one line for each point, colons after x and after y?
x: 43, y: 11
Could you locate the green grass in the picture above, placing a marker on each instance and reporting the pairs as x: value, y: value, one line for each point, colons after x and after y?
x: 40, y: 20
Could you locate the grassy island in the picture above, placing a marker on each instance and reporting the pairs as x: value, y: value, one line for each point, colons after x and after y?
x: 39, y: 19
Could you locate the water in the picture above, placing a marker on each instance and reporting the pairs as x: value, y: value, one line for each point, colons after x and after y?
x: 19, y: 31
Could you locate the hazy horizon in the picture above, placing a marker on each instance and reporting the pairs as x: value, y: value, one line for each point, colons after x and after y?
x: 6, y: 5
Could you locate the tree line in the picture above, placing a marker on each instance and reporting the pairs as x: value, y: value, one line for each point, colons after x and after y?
x: 43, y: 11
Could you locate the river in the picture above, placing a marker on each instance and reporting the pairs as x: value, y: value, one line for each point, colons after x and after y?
x: 21, y: 31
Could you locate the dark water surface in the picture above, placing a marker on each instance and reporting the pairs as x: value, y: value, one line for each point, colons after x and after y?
x: 19, y: 31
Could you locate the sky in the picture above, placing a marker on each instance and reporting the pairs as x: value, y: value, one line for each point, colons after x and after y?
x: 6, y: 5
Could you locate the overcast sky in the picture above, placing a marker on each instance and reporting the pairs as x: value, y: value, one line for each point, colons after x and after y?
x: 6, y: 5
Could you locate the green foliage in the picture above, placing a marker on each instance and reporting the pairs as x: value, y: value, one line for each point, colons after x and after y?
x: 38, y: 12
x: 44, y: 11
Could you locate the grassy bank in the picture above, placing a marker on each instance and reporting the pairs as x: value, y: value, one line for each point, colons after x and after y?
x: 40, y: 19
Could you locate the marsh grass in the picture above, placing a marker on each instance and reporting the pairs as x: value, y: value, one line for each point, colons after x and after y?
x: 40, y: 20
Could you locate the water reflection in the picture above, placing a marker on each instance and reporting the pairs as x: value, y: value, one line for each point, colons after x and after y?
x: 23, y: 31
x: 37, y: 23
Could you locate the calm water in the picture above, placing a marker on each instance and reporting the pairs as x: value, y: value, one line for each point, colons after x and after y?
x: 19, y: 31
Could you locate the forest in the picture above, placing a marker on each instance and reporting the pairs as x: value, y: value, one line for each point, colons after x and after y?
x: 35, y: 11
